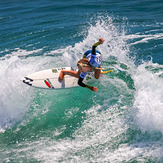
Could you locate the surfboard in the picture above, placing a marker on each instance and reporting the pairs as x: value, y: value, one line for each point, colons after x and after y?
x: 49, y: 79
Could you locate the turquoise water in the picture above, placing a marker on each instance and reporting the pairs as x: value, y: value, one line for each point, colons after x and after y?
x: 122, y: 122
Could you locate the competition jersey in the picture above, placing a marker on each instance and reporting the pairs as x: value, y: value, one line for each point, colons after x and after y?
x: 94, y: 60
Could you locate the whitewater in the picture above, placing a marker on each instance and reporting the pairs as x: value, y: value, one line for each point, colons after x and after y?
x: 122, y: 122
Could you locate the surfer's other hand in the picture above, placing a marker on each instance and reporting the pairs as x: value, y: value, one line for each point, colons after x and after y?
x: 101, y: 40
x: 94, y: 89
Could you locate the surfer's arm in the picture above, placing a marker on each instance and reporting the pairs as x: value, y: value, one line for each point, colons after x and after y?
x: 96, y: 44
x: 80, y: 82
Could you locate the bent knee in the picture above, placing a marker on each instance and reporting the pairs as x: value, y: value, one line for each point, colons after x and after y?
x: 97, y: 77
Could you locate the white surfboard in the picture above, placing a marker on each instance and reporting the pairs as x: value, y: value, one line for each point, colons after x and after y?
x: 49, y: 79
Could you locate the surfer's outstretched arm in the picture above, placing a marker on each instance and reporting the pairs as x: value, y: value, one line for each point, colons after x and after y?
x: 97, y: 71
x: 80, y: 82
x: 96, y: 44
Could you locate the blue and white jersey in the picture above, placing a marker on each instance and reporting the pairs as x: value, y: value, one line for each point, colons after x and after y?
x: 94, y: 60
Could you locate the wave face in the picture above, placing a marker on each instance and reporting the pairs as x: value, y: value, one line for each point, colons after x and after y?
x: 122, y: 122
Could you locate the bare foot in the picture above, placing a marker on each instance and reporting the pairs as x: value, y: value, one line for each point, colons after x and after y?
x: 94, y: 89
x: 61, y: 76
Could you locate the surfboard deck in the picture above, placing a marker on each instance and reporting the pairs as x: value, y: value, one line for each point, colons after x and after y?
x: 49, y: 79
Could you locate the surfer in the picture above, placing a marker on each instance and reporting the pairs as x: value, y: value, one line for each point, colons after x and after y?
x: 90, y: 61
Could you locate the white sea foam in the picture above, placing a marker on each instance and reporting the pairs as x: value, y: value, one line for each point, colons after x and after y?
x: 149, y: 88
x: 16, y: 97
x: 95, y: 141
x: 148, y: 98
x: 19, y: 53
x: 144, y: 38
x: 114, y: 45
x: 101, y: 137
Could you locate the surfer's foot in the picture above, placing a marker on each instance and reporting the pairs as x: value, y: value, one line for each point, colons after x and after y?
x: 61, y: 76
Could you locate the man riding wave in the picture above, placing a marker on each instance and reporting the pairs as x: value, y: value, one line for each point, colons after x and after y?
x: 91, y: 61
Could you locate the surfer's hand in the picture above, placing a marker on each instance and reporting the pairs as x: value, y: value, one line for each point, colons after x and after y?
x: 94, y: 89
x: 101, y: 40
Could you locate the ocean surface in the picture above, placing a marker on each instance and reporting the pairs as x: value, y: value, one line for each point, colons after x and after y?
x: 122, y: 122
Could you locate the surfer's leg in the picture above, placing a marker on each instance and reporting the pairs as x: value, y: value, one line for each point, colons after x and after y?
x: 71, y: 73
x: 97, y: 73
